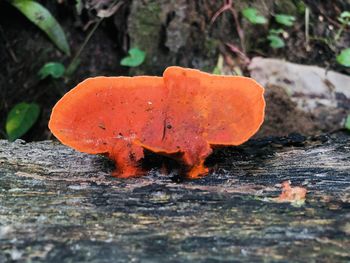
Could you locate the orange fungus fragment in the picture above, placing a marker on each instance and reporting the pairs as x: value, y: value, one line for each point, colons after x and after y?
x: 182, y: 114
x: 291, y: 194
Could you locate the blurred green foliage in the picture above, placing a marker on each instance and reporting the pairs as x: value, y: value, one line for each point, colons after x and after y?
x: 344, y: 57
x: 42, y: 18
x: 344, y: 18
x: 135, y: 58
x: 276, y: 41
x: 285, y: 20
x: 218, y: 70
x: 53, y: 69
x: 252, y: 15
x: 347, y: 122
x: 20, y: 119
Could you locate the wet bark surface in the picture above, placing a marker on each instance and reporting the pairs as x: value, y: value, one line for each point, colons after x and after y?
x: 58, y: 205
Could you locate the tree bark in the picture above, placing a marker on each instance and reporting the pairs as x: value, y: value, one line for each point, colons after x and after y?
x: 58, y: 205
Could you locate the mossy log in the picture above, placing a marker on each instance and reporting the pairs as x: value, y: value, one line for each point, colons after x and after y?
x: 58, y: 205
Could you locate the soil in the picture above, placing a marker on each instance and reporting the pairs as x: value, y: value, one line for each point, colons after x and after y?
x: 31, y: 50
x: 290, y: 120
x: 171, y: 33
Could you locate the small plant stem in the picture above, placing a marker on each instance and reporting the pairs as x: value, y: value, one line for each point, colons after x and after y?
x: 238, y: 28
x: 241, y: 54
x: 340, y: 31
x: 88, y: 37
x: 228, y: 5
x: 307, y: 28
x: 328, y: 42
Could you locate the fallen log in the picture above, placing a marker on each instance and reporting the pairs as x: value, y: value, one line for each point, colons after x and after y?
x: 59, y: 205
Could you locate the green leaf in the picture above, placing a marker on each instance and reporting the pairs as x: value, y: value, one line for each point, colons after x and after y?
x: 344, y: 57
x: 276, y: 41
x: 347, y: 123
x: 285, y: 19
x: 345, y: 14
x: 73, y: 66
x: 136, y: 58
x: 79, y: 6
x: 20, y: 119
x: 253, y: 17
x: 217, y: 71
x: 42, y: 18
x: 219, y: 66
x: 344, y: 18
x: 301, y: 7
x: 276, y: 31
x: 53, y: 69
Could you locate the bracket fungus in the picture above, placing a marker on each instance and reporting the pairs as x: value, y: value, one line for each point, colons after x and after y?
x: 183, y: 114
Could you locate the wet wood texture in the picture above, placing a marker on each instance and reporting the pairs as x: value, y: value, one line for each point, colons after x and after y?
x: 58, y: 205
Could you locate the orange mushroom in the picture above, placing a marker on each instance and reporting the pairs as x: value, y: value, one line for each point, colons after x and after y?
x: 182, y: 114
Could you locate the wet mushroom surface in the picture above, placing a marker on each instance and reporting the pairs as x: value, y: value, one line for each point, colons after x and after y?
x: 183, y: 114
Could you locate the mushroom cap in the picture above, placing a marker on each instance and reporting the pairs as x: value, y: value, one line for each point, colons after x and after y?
x: 230, y: 109
x: 101, y: 112
x: 204, y: 110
